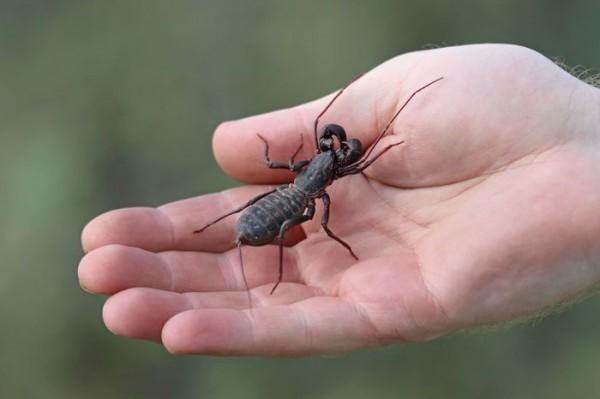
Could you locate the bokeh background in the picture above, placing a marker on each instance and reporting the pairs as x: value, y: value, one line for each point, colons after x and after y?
x: 112, y: 103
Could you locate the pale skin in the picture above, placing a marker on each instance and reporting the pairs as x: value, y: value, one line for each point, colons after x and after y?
x: 487, y: 214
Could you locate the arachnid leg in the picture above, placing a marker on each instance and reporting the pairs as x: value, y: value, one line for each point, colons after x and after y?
x: 310, y: 212
x: 241, y: 208
x: 359, y: 166
x: 316, y: 122
x: 238, y: 244
x: 325, y: 220
x: 385, y: 129
x: 294, y: 167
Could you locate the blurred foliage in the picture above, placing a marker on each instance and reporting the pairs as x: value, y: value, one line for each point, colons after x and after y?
x: 112, y: 103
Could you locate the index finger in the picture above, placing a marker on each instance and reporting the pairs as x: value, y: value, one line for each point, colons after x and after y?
x: 171, y: 226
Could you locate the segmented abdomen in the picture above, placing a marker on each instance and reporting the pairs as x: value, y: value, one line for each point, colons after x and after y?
x: 260, y: 223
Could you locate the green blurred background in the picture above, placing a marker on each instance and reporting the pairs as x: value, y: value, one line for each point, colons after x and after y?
x: 112, y: 103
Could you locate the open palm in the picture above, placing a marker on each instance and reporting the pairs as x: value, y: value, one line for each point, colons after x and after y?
x: 482, y: 216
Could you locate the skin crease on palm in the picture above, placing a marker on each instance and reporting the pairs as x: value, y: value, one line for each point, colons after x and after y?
x: 487, y: 214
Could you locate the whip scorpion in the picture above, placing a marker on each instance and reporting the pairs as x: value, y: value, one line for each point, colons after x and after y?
x: 268, y: 216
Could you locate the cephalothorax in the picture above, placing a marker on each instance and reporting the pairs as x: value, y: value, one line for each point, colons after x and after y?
x: 269, y: 215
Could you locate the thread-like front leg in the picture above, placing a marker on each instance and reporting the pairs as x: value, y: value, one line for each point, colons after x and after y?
x: 310, y: 212
x: 316, y: 122
x: 291, y: 165
x: 364, y: 164
x: 241, y: 208
x: 325, y: 221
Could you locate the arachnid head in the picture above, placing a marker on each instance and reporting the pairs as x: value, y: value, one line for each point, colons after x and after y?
x: 349, y: 151
x: 326, y: 139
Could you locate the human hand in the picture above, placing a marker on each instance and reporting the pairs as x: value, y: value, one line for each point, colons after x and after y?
x: 484, y: 215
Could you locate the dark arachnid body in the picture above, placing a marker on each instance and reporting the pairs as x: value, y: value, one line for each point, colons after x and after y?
x: 269, y: 215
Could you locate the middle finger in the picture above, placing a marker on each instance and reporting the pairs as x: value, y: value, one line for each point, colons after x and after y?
x: 113, y: 268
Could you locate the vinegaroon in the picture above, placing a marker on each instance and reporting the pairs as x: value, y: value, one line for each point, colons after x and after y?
x: 271, y: 214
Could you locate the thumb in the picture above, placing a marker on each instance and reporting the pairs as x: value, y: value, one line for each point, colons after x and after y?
x: 241, y: 153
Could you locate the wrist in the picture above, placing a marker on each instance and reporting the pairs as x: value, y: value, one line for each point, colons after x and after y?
x: 585, y: 118
x: 594, y: 115
x: 591, y: 147
x: 596, y: 110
